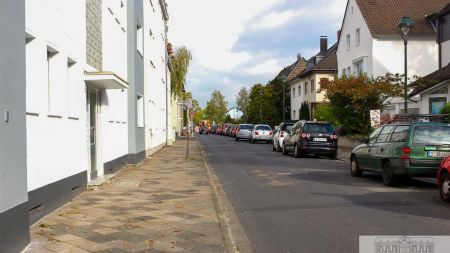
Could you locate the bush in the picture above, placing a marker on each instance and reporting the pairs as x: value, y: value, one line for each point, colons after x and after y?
x: 323, y: 113
x: 446, y: 109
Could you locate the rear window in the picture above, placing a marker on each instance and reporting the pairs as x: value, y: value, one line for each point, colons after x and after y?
x: 267, y: 128
x: 318, y: 128
x: 431, y: 135
x: 400, y: 134
x: 287, y: 127
x: 245, y: 127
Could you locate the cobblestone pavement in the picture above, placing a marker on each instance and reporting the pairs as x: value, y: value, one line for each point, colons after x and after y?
x: 163, y: 205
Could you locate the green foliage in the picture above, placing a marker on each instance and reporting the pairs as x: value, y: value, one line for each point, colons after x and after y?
x: 242, y: 102
x: 323, y: 113
x: 352, y: 98
x: 446, y: 109
x: 216, y: 108
x: 304, y: 111
x: 180, y: 62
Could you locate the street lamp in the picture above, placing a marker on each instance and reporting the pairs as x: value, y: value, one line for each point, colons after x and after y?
x: 405, y: 25
x: 261, y: 93
x: 284, y: 98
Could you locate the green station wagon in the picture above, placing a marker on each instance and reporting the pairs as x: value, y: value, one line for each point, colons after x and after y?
x: 403, y: 149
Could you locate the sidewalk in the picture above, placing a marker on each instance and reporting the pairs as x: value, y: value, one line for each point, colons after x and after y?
x: 162, y: 205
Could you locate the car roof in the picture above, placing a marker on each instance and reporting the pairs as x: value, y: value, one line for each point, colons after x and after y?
x: 416, y: 123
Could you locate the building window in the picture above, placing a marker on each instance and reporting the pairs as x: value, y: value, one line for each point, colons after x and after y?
x: 349, y: 71
x: 72, y: 88
x: 436, y: 105
x: 140, y: 39
x: 312, y: 86
x: 52, y: 75
x: 293, y: 92
x: 140, y: 110
x: 293, y: 115
x: 322, y: 80
x: 358, y: 37
x: 348, y: 41
x: 299, y: 90
x: 306, y: 88
x: 359, y: 67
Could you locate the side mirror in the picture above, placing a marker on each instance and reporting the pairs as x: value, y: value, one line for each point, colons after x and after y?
x: 365, y: 140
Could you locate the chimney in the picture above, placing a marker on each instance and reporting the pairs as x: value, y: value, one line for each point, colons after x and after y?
x: 299, y: 57
x: 338, y: 35
x: 323, y: 44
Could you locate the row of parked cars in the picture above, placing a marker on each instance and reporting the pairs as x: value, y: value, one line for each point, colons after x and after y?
x: 407, y: 148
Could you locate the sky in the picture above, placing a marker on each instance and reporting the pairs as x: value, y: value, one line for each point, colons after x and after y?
x: 238, y: 43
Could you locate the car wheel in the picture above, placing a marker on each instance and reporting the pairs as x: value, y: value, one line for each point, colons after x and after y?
x: 297, y: 152
x: 237, y: 139
x: 278, y: 146
x: 444, y: 187
x: 285, y: 152
x: 253, y: 141
x: 273, y: 147
x: 389, y: 178
x: 354, y: 168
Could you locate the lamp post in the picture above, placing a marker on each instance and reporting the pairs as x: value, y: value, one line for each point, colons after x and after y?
x: 284, y: 98
x: 405, y: 25
x: 261, y: 93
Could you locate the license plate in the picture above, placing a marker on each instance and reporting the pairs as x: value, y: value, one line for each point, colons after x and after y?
x: 320, y: 139
x: 438, y: 154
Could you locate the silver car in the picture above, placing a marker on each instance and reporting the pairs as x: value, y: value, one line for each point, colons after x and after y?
x: 261, y: 133
x: 243, y: 131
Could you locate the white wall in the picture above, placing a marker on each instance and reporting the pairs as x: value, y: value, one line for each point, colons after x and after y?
x: 114, y: 117
x: 56, y: 118
x: 13, y: 170
x: 297, y: 100
x: 155, y: 75
x: 346, y: 56
x: 389, y: 57
x: 445, y: 50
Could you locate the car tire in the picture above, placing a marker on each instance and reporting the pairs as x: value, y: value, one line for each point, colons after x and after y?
x: 273, y: 147
x: 297, y: 152
x: 444, y: 187
x: 285, y: 152
x: 237, y: 139
x: 278, y: 147
x: 389, y: 179
x: 355, y: 171
x: 253, y: 141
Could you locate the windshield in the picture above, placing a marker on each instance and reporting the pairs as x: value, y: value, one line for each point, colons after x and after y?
x: 287, y: 127
x: 266, y: 128
x: 432, y: 135
x: 318, y: 128
x: 245, y: 127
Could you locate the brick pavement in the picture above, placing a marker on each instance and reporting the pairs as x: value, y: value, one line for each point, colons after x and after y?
x: 163, y: 205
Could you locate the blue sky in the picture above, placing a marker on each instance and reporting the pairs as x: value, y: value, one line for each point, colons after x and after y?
x: 237, y: 43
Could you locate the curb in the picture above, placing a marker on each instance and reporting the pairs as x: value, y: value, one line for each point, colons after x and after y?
x: 236, y: 241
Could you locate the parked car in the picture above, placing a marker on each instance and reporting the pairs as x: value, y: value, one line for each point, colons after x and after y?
x: 311, y: 137
x: 203, y: 130
x: 233, y: 131
x: 243, y: 131
x: 278, y: 136
x: 225, y: 127
x: 443, y: 178
x: 403, y: 149
x: 229, y: 130
x: 261, y: 133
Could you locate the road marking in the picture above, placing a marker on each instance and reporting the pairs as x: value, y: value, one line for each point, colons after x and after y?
x: 252, y: 179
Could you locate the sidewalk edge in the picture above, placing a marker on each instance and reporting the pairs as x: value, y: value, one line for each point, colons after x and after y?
x: 234, y: 236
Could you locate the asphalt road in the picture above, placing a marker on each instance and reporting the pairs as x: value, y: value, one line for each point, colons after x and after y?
x: 313, y: 204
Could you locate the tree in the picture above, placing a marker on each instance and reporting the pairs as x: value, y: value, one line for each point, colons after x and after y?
x: 304, y: 111
x: 277, y: 86
x: 261, y: 107
x: 323, y: 113
x: 216, y: 108
x: 180, y: 63
x: 242, y: 102
x: 352, y: 98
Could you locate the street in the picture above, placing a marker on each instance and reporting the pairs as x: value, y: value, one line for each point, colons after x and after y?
x: 313, y: 204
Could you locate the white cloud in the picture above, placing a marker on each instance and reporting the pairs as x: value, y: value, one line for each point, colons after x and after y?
x: 269, y: 67
x: 276, y: 19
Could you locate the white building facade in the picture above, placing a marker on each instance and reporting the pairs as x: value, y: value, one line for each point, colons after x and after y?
x: 370, y: 41
x: 13, y: 171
